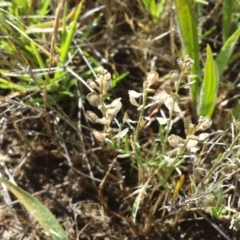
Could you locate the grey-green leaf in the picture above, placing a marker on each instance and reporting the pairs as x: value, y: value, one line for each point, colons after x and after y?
x: 227, y: 17
x: 226, y: 51
x: 40, y: 212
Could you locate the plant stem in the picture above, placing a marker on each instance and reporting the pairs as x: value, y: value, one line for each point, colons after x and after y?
x: 136, y: 135
x: 172, y: 111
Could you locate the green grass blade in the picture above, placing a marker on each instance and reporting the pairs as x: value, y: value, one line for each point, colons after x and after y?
x: 117, y: 78
x: 37, y: 55
x: 220, y: 199
x: 186, y: 16
x: 64, y: 26
x: 209, y: 88
x: 154, y: 8
x: 216, y: 211
x: 40, y: 212
x: 44, y: 7
x: 66, y: 46
x: 226, y: 51
x: 5, y: 84
x: 87, y: 32
x: 227, y: 15
x: 21, y: 5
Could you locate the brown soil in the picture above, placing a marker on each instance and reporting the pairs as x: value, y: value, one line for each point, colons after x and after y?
x: 81, y: 180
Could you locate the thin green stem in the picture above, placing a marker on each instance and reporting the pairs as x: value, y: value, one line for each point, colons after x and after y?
x: 172, y: 111
x: 136, y: 135
x: 224, y: 155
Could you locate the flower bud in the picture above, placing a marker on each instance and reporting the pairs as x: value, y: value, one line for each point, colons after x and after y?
x: 113, y: 108
x: 92, y: 117
x: 106, y: 85
x: 203, y: 137
x: 169, y: 103
x: 174, y: 75
x: 103, y: 121
x: 92, y: 84
x: 94, y: 99
x: 185, y: 65
x: 204, y: 123
x: 152, y: 78
x: 99, y: 136
x: 175, y: 141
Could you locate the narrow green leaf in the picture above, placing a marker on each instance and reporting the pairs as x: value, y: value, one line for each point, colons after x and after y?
x: 116, y: 79
x: 64, y: 25
x: 35, y: 51
x: 88, y: 31
x: 186, y: 16
x: 40, y: 212
x: 127, y: 144
x: 5, y: 84
x: 209, y: 88
x: 154, y: 8
x: 214, y: 213
x: 220, y: 199
x: 44, y: 7
x: 226, y: 51
x: 226, y: 20
x: 217, y: 210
